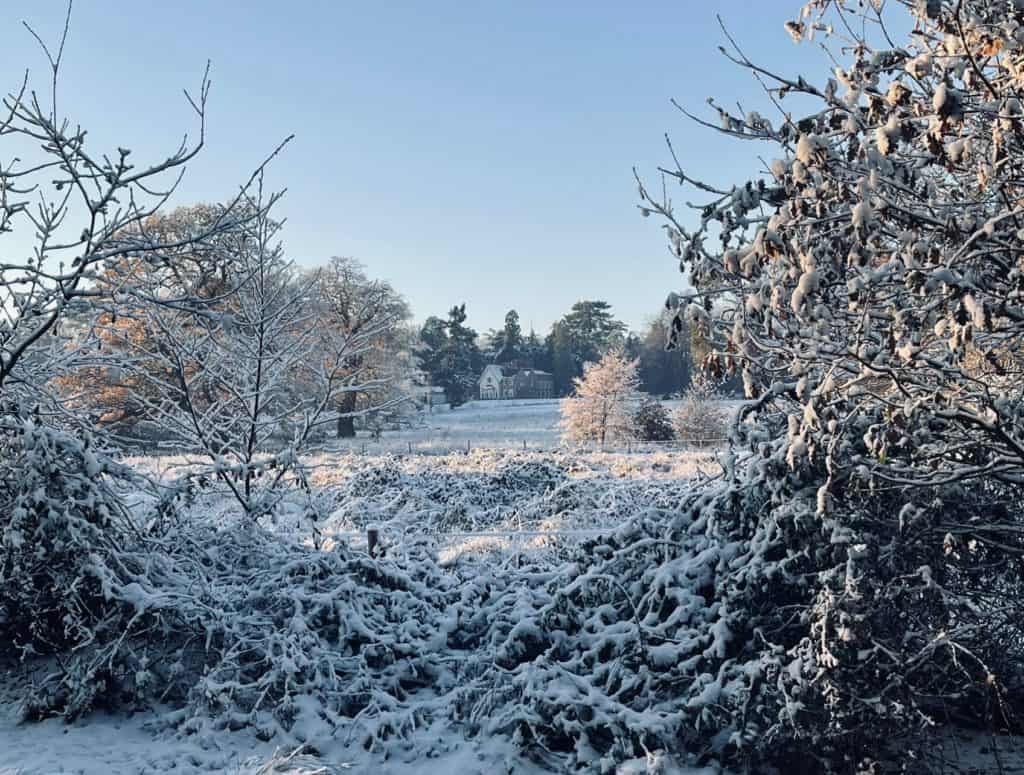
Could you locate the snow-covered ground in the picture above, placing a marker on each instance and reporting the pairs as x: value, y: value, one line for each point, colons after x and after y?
x: 135, y: 745
x: 514, y: 424
x: 494, y: 505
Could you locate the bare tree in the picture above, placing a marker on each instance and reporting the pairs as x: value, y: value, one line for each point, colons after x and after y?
x: 113, y: 357
x: 356, y: 306
x: 86, y: 207
x: 698, y: 419
x: 245, y: 381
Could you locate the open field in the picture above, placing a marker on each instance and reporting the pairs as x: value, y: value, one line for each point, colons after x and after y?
x: 513, y: 424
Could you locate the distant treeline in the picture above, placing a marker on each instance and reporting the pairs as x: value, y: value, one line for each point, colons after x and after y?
x: 452, y: 355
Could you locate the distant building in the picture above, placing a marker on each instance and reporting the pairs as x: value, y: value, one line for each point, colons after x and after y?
x: 504, y: 382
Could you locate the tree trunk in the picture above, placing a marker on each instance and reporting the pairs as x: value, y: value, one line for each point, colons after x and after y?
x: 346, y: 423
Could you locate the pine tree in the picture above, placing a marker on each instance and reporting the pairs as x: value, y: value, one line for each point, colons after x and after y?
x: 563, y: 364
x: 663, y: 371
x: 604, y: 405
x: 509, y: 340
x: 535, y: 353
x: 429, y: 353
x: 449, y: 356
x: 593, y: 330
x: 653, y: 422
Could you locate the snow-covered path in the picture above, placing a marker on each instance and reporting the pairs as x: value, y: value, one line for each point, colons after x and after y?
x: 106, y: 745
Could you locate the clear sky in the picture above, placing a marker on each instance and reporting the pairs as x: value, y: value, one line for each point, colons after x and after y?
x: 465, y: 151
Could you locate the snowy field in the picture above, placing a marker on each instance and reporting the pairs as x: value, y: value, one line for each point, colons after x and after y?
x: 513, y: 424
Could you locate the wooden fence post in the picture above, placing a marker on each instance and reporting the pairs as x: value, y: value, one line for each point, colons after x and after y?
x: 372, y: 539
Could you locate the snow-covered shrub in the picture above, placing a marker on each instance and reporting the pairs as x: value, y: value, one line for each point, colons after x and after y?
x: 70, y: 563
x: 60, y: 524
x: 868, y: 291
x: 653, y: 422
x: 699, y: 420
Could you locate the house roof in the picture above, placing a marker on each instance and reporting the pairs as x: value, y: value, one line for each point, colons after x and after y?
x: 504, y: 371
x: 509, y: 371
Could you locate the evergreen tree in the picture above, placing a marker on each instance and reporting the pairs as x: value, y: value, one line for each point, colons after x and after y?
x: 662, y: 371
x: 449, y: 356
x: 433, y: 342
x: 509, y: 340
x: 653, y: 422
x: 492, y: 343
x: 564, y: 367
x: 632, y: 347
x: 593, y: 330
x: 582, y: 336
x: 535, y: 353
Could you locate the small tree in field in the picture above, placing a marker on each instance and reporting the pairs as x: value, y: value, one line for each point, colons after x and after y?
x: 604, y: 404
x: 698, y: 419
x: 247, y: 381
x: 652, y: 421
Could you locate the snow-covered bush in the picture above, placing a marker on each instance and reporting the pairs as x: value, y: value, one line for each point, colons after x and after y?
x: 652, y: 421
x: 699, y: 420
x: 868, y: 289
x: 602, y: 407
x: 60, y: 526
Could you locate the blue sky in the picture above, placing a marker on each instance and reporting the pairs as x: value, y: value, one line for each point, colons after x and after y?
x: 466, y: 151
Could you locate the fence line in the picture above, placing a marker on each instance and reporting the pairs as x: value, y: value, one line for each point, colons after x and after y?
x: 444, y: 447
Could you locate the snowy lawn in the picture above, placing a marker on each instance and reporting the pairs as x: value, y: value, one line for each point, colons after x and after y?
x: 480, y: 424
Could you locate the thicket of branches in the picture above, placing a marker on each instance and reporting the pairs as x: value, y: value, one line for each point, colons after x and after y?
x: 853, y: 580
x: 868, y: 289
x: 198, y: 323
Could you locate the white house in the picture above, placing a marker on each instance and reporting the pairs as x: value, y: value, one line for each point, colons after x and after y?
x: 500, y: 382
x: 497, y: 382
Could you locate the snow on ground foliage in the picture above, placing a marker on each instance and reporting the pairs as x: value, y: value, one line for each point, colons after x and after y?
x: 287, y: 632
